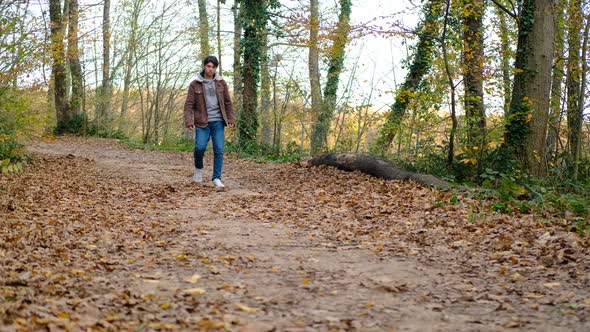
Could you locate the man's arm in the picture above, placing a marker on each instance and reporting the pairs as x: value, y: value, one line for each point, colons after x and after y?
x: 189, y: 108
x: 229, y: 108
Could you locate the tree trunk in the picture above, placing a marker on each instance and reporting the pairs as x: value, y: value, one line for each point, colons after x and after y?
x: 556, y: 84
x: 237, y: 77
x: 130, y: 59
x: 254, y: 24
x: 104, y: 103
x: 526, y: 127
x: 319, y: 136
x: 421, y: 62
x: 204, y: 29
x: 505, y: 54
x: 58, y: 70
x: 578, y: 136
x: 313, y: 64
x: 473, y: 65
x: 573, y: 82
x: 265, y: 136
x: 74, y: 59
x: 378, y: 167
x: 452, y: 86
x: 219, y: 35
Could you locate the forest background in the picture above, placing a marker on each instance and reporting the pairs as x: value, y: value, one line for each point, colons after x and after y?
x: 489, y: 94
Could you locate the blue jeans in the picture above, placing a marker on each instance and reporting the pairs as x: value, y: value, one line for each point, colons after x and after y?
x: 215, y: 131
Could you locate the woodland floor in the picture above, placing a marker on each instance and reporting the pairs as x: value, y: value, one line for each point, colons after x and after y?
x: 97, y: 237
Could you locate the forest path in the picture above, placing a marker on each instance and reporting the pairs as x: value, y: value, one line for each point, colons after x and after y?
x: 113, y: 237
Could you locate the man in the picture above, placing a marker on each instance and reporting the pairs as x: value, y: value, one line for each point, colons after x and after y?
x: 208, y: 109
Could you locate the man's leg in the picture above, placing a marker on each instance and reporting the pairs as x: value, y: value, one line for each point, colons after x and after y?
x: 201, y: 140
x: 218, y: 139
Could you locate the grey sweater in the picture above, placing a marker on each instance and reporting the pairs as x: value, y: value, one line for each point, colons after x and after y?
x: 213, y: 111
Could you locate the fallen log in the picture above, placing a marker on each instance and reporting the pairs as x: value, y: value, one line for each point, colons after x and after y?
x: 378, y: 167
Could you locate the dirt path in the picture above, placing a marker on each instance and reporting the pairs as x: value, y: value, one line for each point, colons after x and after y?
x: 128, y: 267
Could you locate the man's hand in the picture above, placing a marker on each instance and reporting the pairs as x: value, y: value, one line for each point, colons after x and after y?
x: 231, y: 125
x: 191, y: 127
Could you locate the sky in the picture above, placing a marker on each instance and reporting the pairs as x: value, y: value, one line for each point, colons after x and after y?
x: 378, y: 57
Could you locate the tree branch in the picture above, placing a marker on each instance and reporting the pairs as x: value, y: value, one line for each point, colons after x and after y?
x: 512, y: 14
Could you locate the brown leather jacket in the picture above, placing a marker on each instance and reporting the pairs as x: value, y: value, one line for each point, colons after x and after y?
x: 195, y: 109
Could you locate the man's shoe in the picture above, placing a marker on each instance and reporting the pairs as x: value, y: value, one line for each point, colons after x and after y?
x: 217, y: 183
x: 198, y: 177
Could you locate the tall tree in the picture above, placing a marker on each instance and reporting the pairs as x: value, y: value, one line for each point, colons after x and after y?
x: 505, y: 54
x: 265, y: 137
x: 58, y: 69
x: 130, y: 57
x: 237, y: 73
x: 573, y: 82
x: 104, y: 100
x: 219, y: 2
x: 74, y: 58
x: 314, y: 58
x: 555, y: 110
x: 427, y: 32
x: 526, y: 126
x: 204, y: 29
x: 473, y: 65
x: 255, y: 19
x: 336, y: 55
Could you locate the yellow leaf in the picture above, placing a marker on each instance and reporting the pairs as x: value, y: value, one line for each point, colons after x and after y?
x: 369, y: 305
x: 151, y: 281
x: 529, y: 117
x: 209, y: 324
x: 195, y: 291
x: 63, y: 315
x: 194, y: 279
x: 305, y: 281
x: 165, y: 306
x: 473, y: 161
x: 246, y: 308
x: 458, y: 152
x: 275, y: 270
x: 77, y: 272
x: 205, y: 261
x: 466, y: 161
x: 181, y: 257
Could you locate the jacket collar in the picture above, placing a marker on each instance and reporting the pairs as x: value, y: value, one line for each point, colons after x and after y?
x: 200, y: 78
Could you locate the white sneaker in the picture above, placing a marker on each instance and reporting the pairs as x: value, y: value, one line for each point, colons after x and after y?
x: 198, y: 177
x: 218, y: 184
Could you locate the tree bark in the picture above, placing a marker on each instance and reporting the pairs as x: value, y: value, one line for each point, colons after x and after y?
x: 473, y: 65
x: 505, y: 54
x: 265, y: 137
x: 74, y: 59
x: 573, y: 82
x: 58, y: 69
x: 526, y: 127
x: 319, y: 137
x: 313, y: 62
x: 556, y: 84
x: 204, y: 29
x: 378, y: 167
x: 254, y: 24
x: 219, y: 35
x: 104, y: 102
x: 237, y: 77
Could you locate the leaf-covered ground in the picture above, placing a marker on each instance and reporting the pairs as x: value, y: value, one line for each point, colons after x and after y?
x: 97, y: 237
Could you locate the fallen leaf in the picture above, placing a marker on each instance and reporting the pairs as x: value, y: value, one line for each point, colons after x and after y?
x: 195, y: 291
x: 246, y: 308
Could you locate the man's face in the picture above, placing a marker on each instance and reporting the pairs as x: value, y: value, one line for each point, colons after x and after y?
x: 210, y: 69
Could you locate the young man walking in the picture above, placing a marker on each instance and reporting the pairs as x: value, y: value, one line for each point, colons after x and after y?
x: 207, y: 110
